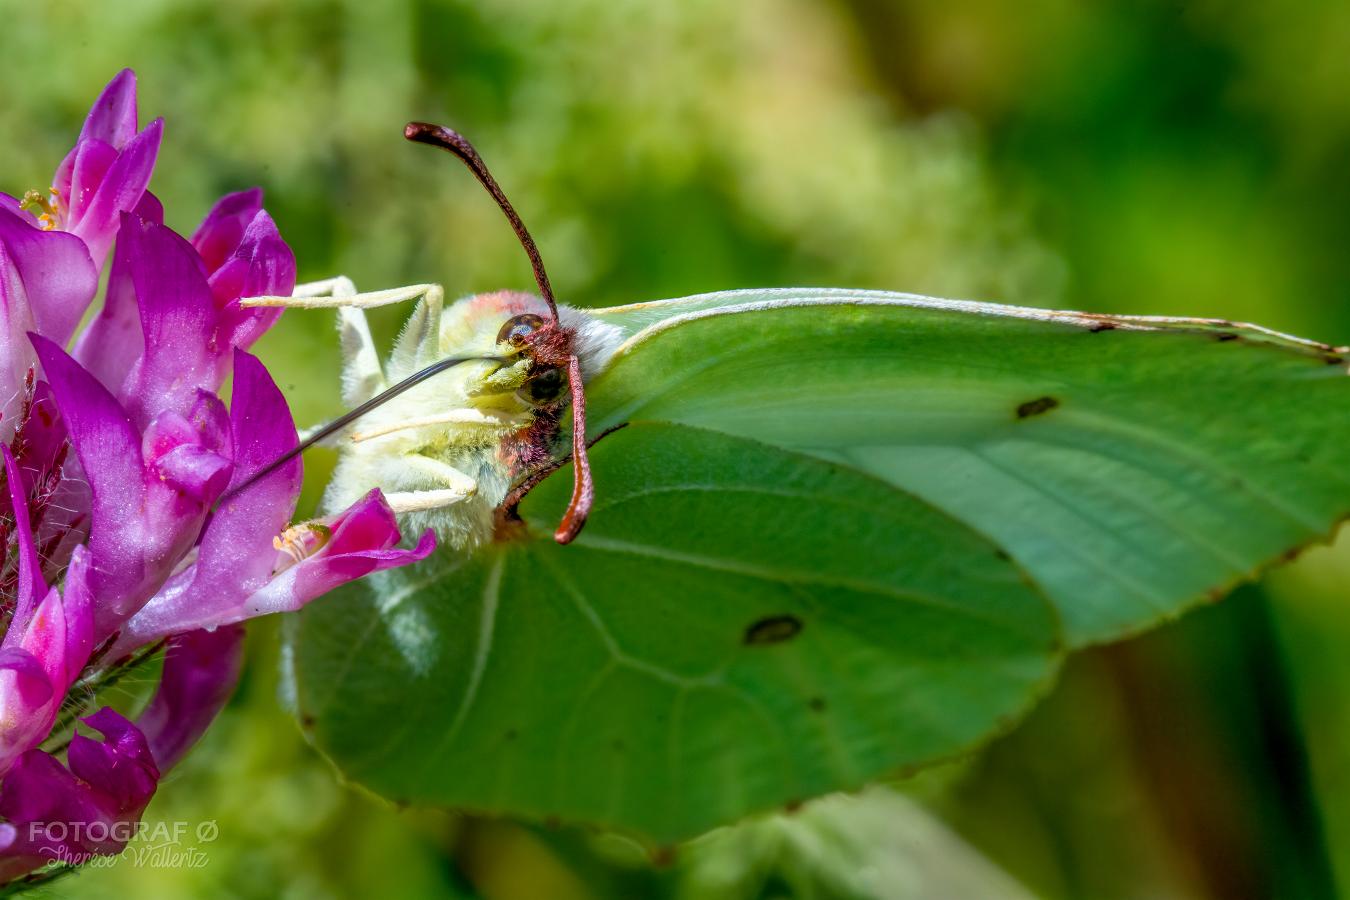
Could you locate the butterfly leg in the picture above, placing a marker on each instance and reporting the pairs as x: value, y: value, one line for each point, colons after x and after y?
x: 362, y: 376
x: 339, y: 292
x: 341, y: 286
x: 457, y: 485
x: 421, y: 501
x: 418, y: 345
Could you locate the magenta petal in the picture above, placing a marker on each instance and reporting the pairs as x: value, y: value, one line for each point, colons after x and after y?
x: 43, y: 448
x: 31, y: 588
x: 29, y: 701
x: 79, y: 177
x: 168, y: 430
x: 236, y: 555
x: 195, y: 471
x: 323, y: 572
x: 368, y: 524
x: 73, y: 814
x: 242, y: 530
x: 46, y: 282
x: 107, y: 171
x: 36, y: 784
x: 363, y: 541
x: 177, y: 318
x: 201, y: 669
x: 236, y: 549
x: 211, y: 420
x: 110, y: 345
x: 40, y: 801
x: 32, y: 682
x: 112, y: 118
x: 223, y: 228
x: 224, y: 588
x: 79, y: 609
x: 40, y: 438
x: 119, y: 191
x: 120, y: 766
x: 206, y: 424
x: 35, y: 680
x: 15, y: 359
x: 24, y: 687
x: 105, y: 440
x: 131, y: 536
x: 263, y: 265
x: 59, y: 279
x: 150, y: 209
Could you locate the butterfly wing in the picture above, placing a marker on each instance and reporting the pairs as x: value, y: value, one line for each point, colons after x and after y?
x: 808, y: 561
x: 722, y: 638
x: 1133, y: 465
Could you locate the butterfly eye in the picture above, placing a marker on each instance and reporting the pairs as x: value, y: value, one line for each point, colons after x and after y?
x: 516, y: 330
x: 545, y: 386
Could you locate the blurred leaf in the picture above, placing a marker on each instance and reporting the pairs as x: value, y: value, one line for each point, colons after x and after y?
x: 738, y: 627
x: 878, y: 845
x: 1133, y: 466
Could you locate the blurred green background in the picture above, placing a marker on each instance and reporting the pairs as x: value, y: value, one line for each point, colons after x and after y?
x: 1141, y: 156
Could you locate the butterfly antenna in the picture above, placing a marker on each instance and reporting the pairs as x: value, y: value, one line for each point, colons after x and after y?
x: 343, y: 421
x: 583, y: 488
x: 456, y: 143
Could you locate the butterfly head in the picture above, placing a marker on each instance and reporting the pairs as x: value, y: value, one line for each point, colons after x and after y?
x: 519, y: 330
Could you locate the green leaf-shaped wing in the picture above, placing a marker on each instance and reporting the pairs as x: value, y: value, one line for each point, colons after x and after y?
x: 738, y: 627
x: 804, y: 565
x: 1132, y: 465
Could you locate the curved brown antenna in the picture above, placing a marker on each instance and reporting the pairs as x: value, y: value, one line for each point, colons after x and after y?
x: 456, y: 143
x: 583, y: 488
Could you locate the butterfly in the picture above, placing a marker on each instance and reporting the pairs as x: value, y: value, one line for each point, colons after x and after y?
x: 842, y: 532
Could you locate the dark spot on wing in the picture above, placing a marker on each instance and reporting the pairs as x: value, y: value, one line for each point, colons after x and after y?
x: 1036, y: 407
x: 1225, y: 336
x: 817, y: 704
x: 773, y: 630
x: 1334, y: 360
x: 1102, y: 326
